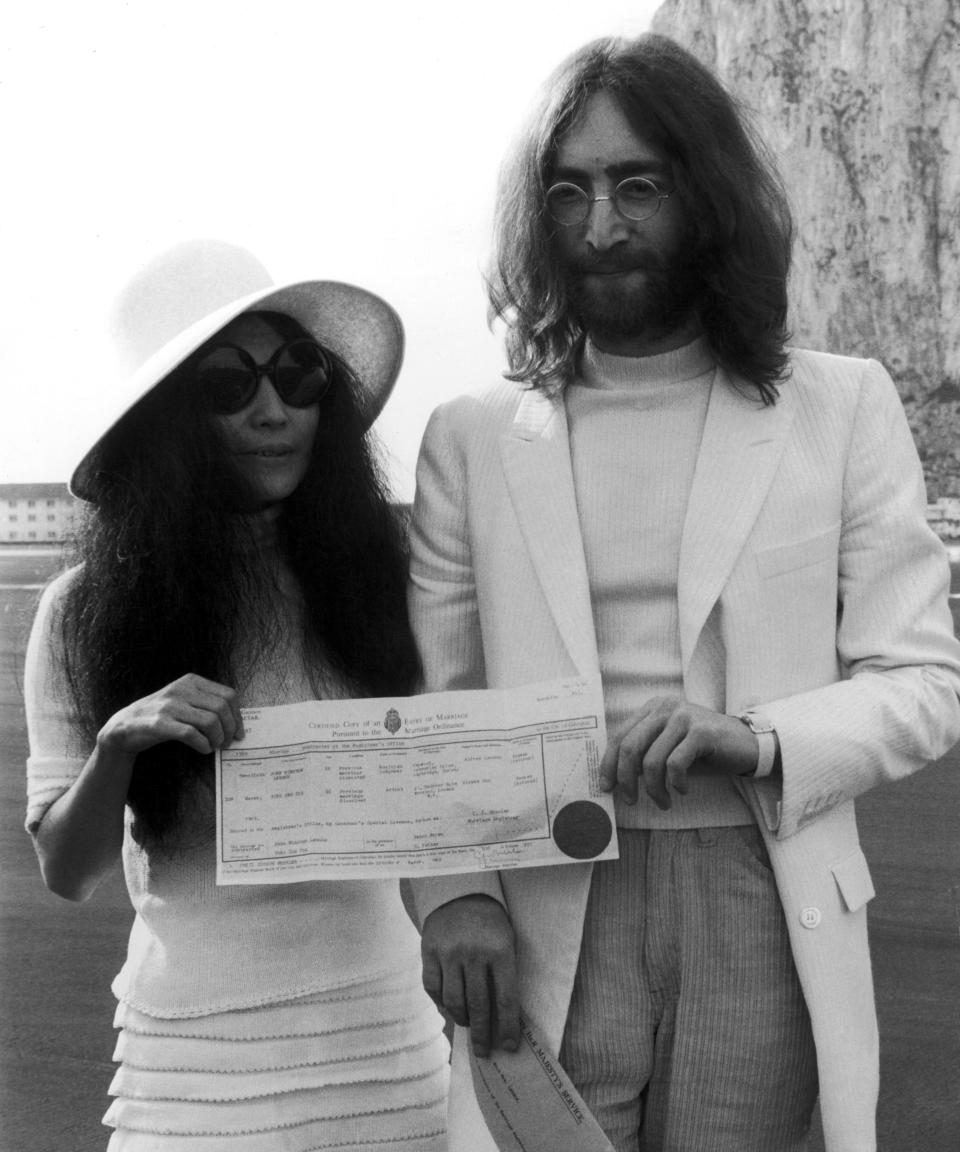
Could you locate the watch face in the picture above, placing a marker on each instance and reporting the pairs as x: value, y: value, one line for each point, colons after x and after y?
x: 757, y: 724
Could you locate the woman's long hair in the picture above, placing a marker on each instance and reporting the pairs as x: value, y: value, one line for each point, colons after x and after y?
x: 741, y: 227
x: 166, y: 563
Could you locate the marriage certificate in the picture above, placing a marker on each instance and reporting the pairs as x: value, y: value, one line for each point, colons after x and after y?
x: 414, y: 786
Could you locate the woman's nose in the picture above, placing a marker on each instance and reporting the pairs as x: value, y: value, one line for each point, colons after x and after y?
x: 267, y: 407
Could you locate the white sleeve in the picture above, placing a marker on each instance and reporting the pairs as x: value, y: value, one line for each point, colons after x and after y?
x: 897, y: 707
x: 444, y: 614
x: 58, y: 749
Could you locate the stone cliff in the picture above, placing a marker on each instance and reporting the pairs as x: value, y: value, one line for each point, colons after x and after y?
x: 860, y: 101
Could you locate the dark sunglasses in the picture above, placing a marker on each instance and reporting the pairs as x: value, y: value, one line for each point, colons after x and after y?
x: 228, y: 376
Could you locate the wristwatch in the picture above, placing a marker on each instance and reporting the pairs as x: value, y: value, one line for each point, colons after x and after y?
x: 765, y: 733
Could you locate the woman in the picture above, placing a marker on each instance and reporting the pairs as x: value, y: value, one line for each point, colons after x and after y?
x: 239, y: 550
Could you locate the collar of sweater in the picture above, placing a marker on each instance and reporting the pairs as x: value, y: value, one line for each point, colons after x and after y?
x: 644, y: 373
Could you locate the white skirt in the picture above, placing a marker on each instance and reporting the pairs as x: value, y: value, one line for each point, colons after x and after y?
x: 356, y: 1069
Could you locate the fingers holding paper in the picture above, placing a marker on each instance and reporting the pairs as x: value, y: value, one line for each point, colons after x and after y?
x: 198, y: 712
x: 470, y: 970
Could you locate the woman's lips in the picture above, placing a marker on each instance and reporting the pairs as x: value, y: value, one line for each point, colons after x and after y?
x: 274, y: 451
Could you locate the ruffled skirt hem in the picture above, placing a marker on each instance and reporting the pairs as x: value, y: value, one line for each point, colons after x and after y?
x: 358, y: 1070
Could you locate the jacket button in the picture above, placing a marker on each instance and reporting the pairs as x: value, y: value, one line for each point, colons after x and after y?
x: 810, y: 917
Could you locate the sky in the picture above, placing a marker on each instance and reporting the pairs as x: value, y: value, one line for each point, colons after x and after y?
x: 352, y: 141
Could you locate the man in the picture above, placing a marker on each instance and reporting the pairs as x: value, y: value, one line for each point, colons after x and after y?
x: 733, y: 535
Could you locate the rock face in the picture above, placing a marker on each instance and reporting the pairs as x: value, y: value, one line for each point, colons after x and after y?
x: 860, y: 101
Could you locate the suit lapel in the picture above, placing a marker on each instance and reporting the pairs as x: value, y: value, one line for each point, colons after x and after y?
x: 536, y: 462
x: 739, y: 453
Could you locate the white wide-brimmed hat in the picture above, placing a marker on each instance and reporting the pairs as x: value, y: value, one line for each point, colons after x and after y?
x: 188, y: 293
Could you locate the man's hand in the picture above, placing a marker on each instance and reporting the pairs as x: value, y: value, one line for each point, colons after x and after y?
x: 470, y: 970
x: 661, y: 742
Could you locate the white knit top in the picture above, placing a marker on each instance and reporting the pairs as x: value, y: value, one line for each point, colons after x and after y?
x: 196, y: 948
x: 635, y: 427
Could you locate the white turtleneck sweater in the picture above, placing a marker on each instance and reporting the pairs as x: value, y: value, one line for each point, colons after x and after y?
x: 635, y: 427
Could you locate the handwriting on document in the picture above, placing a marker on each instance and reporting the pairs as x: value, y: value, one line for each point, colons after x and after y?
x: 442, y: 782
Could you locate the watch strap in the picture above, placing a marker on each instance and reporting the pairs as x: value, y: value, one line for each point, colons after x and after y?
x: 766, y: 743
x: 766, y: 754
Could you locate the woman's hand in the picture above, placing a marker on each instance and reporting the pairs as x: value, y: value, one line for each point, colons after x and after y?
x: 198, y: 712
x: 81, y: 835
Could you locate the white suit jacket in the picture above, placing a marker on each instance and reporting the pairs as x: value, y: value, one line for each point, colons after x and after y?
x: 809, y: 583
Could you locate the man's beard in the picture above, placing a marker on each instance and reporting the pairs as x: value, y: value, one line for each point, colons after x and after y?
x: 659, y: 304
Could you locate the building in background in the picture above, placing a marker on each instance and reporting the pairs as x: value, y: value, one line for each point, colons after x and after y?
x: 36, y: 513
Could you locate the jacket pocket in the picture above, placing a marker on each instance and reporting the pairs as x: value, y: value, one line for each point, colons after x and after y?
x: 852, y: 875
x: 803, y: 554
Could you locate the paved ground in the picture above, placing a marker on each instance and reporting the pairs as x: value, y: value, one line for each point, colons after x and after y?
x: 57, y: 959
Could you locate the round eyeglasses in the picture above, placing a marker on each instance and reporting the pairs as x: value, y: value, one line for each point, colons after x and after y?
x: 635, y: 198
x: 228, y: 376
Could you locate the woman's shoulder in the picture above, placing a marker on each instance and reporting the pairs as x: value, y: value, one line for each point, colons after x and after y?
x: 57, y: 587
x: 55, y: 593
x: 46, y: 618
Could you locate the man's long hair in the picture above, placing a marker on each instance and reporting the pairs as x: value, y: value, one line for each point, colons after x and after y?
x: 167, y: 561
x: 741, y: 227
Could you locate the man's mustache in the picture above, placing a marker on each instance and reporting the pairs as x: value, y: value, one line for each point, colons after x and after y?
x: 610, y: 263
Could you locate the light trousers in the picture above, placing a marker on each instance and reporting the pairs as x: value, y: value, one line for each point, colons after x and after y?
x: 688, y: 1030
